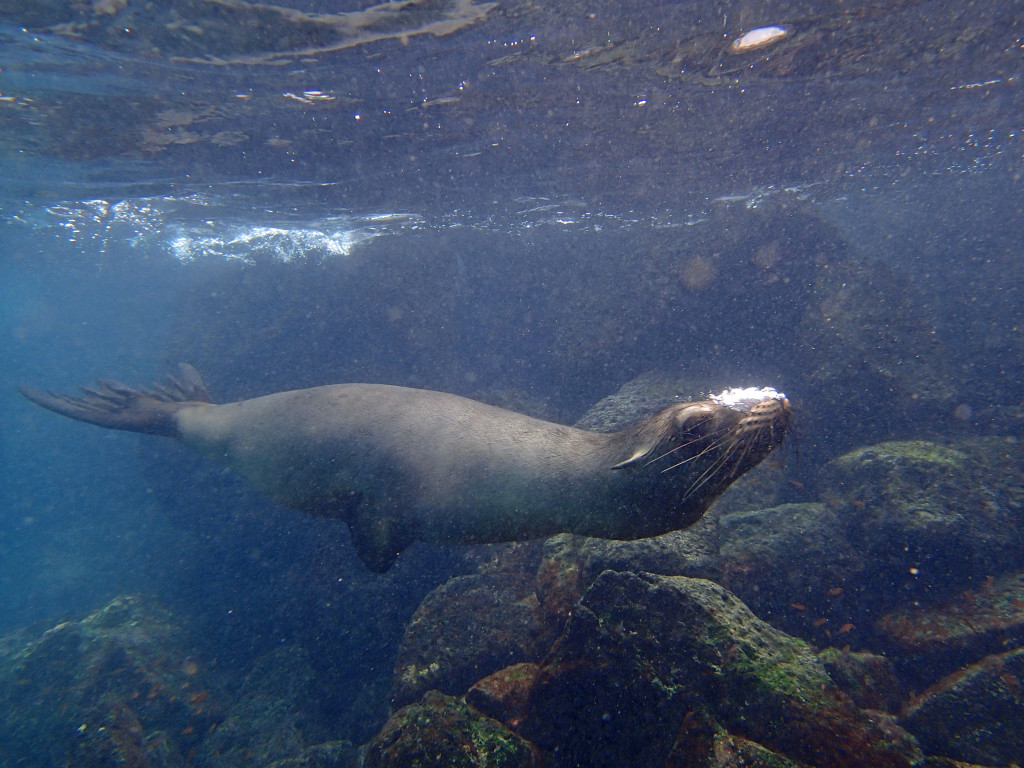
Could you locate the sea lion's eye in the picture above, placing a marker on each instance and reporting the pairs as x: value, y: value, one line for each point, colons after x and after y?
x: 691, y: 418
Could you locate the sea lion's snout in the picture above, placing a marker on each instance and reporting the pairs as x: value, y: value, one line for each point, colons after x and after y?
x: 690, y: 452
x: 754, y: 417
x: 761, y: 416
x: 765, y: 421
x: 727, y: 434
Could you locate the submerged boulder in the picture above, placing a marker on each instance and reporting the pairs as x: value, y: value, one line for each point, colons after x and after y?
x: 703, y: 743
x: 505, y: 694
x: 869, y: 679
x: 927, y: 516
x: 115, y: 688
x: 330, y: 754
x: 976, y: 622
x: 273, y: 715
x: 121, y: 687
x: 444, y: 732
x: 910, y: 523
x: 976, y: 714
x: 643, y: 655
x: 786, y: 556
x: 466, y: 629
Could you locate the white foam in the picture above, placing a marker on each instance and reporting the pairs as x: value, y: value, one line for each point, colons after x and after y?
x: 745, y: 398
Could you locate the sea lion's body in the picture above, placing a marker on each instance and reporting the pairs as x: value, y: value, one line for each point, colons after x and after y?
x: 402, y: 465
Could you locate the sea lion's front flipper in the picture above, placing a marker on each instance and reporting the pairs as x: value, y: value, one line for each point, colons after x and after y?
x: 378, y: 535
x: 114, y: 405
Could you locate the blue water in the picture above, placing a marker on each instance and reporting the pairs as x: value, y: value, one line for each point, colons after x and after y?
x: 506, y: 212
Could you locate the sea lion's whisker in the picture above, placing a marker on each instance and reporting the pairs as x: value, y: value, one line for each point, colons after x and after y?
x: 746, y: 445
x: 671, y: 451
x: 718, y: 442
x: 707, y: 473
x: 727, y: 459
x: 706, y: 476
x: 679, y: 447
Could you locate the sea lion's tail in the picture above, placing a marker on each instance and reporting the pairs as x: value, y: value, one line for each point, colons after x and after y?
x: 114, y: 405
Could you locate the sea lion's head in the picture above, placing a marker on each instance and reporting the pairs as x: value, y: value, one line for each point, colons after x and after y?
x: 699, y: 448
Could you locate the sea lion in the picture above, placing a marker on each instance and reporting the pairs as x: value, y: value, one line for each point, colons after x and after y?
x: 401, y: 465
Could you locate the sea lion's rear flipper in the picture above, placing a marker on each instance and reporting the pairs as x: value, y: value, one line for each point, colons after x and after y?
x: 114, y: 405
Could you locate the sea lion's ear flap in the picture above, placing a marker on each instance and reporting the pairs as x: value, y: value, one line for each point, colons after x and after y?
x: 376, y: 536
x: 636, y: 458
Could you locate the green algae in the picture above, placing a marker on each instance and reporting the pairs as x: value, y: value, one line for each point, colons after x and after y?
x: 785, y: 667
x: 898, y: 451
x: 444, y: 730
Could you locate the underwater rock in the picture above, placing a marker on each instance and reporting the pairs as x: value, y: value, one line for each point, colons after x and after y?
x: 867, y: 678
x: 902, y: 523
x: 988, y: 619
x: 929, y: 517
x: 116, y: 688
x: 444, y: 732
x: 331, y: 754
x: 273, y: 715
x: 680, y: 553
x: 466, y: 629
x: 559, y: 578
x: 703, y: 743
x: 569, y: 564
x: 786, y: 563
x: 975, y: 714
x: 504, y: 694
x: 642, y: 651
